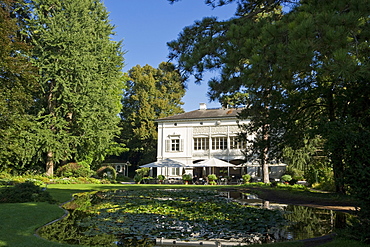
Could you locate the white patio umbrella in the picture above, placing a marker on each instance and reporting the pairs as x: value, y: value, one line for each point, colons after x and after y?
x: 164, y: 164
x: 213, y: 162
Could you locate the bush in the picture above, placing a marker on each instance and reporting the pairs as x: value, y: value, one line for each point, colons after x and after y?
x: 122, y: 178
x: 212, y: 177
x: 81, y: 169
x: 138, y: 178
x: 107, y: 172
x: 161, y: 177
x: 25, y: 192
x: 143, y: 171
x: 320, y: 172
x: 246, y: 178
x: 286, y: 177
x: 187, y: 177
x: 140, y: 174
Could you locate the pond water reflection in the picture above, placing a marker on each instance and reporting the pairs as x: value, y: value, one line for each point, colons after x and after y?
x: 305, y: 222
x: 138, y: 218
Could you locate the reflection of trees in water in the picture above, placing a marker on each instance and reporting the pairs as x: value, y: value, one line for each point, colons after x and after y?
x: 70, y: 231
x: 310, y: 222
x: 81, y: 225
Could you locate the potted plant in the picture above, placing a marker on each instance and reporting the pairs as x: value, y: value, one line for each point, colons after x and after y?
x: 212, y: 179
x: 138, y: 178
x: 140, y: 174
x: 186, y: 178
x: 246, y: 178
x: 286, y: 178
x: 161, y: 178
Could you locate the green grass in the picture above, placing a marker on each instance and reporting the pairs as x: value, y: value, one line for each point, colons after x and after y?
x: 343, y: 243
x: 301, y: 193
x: 335, y: 243
x: 286, y: 244
x: 19, y: 221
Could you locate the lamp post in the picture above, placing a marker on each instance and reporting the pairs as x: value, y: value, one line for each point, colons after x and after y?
x: 126, y: 168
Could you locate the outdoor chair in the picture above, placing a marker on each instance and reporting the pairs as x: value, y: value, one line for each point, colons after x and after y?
x: 222, y: 181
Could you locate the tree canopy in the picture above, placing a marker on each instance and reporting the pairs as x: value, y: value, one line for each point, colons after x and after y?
x: 80, y: 79
x: 73, y: 114
x: 151, y: 93
x: 304, y: 71
x: 17, y: 85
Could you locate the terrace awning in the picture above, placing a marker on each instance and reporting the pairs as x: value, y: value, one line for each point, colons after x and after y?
x: 164, y: 163
x: 213, y: 162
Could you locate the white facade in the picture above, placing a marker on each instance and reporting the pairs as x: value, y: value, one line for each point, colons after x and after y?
x: 203, y: 134
x: 192, y: 137
x: 191, y: 140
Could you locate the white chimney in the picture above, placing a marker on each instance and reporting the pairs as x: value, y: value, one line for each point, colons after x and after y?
x: 202, y: 106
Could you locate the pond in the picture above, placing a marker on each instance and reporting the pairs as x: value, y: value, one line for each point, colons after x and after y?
x: 184, y: 218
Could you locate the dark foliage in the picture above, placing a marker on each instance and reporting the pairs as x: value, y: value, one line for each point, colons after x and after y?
x: 74, y: 170
x: 25, y: 192
x: 107, y: 172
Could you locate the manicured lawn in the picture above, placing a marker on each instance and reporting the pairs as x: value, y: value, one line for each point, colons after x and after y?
x: 20, y: 220
x: 334, y: 243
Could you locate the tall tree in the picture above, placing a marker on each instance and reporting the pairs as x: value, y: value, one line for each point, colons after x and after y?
x: 80, y: 78
x: 17, y: 84
x: 330, y: 70
x: 235, y: 47
x: 150, y: 94
x: 300, y: 69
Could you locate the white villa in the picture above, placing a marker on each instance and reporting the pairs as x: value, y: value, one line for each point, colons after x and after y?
x: 202, y: 134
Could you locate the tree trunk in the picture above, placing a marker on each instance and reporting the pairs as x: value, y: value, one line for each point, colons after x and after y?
x: 264, y: 160
x: 49, y: 164
x: 50, y: 154
x: 265, y: 170
x: 338, y: 169
x: 337, y: 149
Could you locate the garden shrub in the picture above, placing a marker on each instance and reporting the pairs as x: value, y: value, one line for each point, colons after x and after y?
x: 107, y: 172
x: 246, y: 178
x: 138, y: 178
x: 320, y: 172
x: 140, y: 174
x: 187, y: 177
x: 143, y: 171
x: 286, y: 177
x: 122, y: 178
x: 25, y: 192
x: 212, y: 177
x: 81, y: 169
x: 5, y: 175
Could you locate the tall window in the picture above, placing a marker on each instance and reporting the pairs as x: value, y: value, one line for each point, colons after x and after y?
x: 201, y: 143
x: 219, y: 143
x: 174, y: 145
x: 236, y: 143
x: 175, y: 171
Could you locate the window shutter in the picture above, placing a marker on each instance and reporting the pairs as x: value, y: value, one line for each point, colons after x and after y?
x: 181, y: 145
x: 168, y: 145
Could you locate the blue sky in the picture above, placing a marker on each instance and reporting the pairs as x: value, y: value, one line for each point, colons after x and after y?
x: 145, y: 26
